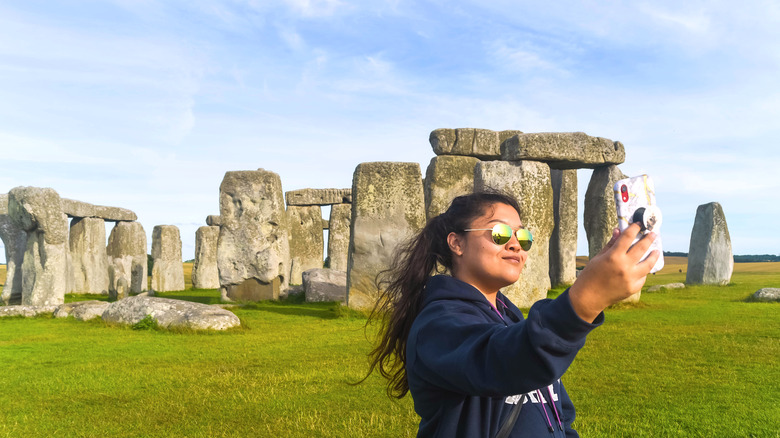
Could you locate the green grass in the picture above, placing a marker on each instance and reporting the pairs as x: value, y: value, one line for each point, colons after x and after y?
x: 697, y: 362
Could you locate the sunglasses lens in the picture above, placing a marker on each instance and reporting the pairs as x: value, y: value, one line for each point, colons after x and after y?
x: 501, y: 234
x: 525, y: 238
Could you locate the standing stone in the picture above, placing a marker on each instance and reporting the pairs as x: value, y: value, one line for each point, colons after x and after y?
x: 447, y: 177
x: 127, y: 257
x: 205, y: 274
x: 388, y: 208
x: 529, y: 182
x: 338, y: 236
x: 167, y: 268
x: 710, y: 260
x: 600, y: 214
x: 306, y: 240
x: 253, y: 252
x: 15, y: 242
x: 121, y: 290
x: 89, y: 260
x: 38, y: 211
x: 563, y: 242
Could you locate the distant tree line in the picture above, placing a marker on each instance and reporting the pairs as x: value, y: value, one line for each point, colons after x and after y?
x: 751, y: 258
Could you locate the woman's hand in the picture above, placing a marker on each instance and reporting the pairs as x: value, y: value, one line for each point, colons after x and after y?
x: 614, y: 274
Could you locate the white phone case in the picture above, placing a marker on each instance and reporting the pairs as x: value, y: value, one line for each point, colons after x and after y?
x: 638, y: 194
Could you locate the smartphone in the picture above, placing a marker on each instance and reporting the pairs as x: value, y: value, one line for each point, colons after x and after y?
x: 635, y: 202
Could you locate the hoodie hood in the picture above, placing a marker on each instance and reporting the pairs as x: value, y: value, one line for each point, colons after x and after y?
x: 445, y: 287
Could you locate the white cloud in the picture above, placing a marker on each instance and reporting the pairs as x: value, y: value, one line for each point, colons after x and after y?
x: 315, y: 8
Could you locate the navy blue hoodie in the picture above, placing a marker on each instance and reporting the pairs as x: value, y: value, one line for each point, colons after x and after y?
x: 468, y: 363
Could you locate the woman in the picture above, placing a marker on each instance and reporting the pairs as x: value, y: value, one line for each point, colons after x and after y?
x: 470, y: 359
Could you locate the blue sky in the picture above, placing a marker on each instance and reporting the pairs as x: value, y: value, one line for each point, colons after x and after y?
x: 146, y: 104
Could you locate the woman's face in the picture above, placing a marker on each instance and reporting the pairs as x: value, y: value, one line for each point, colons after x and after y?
x: 477, y: 260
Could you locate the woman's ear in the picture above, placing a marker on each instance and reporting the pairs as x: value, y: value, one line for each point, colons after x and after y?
x: 455, y: 242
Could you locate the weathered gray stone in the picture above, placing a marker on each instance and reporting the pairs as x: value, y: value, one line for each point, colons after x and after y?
x: 529, y: 182
x: 78, y: 209
x: 170, y: 313
x: 253, y: 253
x: 167, y: 267
x: 564, y: 150
x: 121, y: 291
x: 306, y: 197
x: 205, y: 274
x: 213, y: 220
x: 563, y: 242
x: 600, y: 214
x: 325, y: 285
x: 767, y: 294
x: 15, y: 242
x: 447, y: 177
x: 338, y: 236
x: 306, y: 240
x: 480, y: 143
x: 660, y: 287
x: 45, y: 271
x: 710, y: 259
x: 127, y: 256
x: 89, y: 261
x: 388, y: 208
x: 26, y: 311
x: 81, y: 310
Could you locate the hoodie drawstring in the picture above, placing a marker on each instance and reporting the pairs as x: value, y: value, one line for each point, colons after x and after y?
x: 552, y: 400
x: 541, y: 401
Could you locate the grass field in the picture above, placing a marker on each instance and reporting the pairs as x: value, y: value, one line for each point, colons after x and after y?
x: 698, y: 362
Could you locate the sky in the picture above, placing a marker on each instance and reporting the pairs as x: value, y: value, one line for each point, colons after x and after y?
x: 145, y: 104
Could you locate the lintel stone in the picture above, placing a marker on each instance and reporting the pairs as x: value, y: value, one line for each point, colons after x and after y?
x: 471, y: 142
x: 307, y: 197
x: 83, y: 209
x: 564, y: 150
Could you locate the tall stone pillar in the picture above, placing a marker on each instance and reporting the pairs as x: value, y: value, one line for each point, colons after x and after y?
x: 253, y: 252
x: 38, y: 211
x: 338, y: 236
x: 167, y: 268
x: 447, y: 177
x: 529, y: 182
x: 205, y: 274
x: 306, y: 240
x: 388, y: 208
x: 563, y: 242
x: 127, y: 257
x: 89, y: 260
x: 710, y: 258
x: 600, y: 214
x: 15, y: 242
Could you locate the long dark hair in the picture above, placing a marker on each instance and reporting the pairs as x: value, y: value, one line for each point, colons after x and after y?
x: 402, y: 285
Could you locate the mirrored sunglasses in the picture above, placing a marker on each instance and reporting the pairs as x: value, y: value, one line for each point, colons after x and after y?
x: 502, y: 233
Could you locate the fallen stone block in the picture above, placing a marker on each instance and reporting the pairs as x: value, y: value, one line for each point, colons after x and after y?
x: 26, y: 311
x: 82, y: 310
x: 767, y: 294
x: 170, y: 313
x: 660, y: 287
x: 323, y: 285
